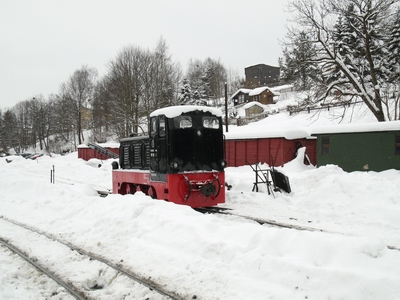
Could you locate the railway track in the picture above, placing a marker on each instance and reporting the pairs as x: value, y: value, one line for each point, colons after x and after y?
x: 53, y: 289
x: 81, y: 273
x: 227, y: 211
x: 273, y: 223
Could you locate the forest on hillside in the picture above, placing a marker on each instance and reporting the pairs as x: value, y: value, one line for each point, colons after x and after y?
x: 138, y: 81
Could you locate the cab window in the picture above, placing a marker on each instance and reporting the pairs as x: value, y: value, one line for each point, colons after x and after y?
x: 182, y: 122
x: 210, y: 122
x: 153, y: 126
x: 161, y: 127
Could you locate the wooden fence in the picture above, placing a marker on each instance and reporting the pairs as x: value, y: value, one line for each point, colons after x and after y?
x: 328, y: 106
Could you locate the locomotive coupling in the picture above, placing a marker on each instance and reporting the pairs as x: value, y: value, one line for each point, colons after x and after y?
x: 208, y: 189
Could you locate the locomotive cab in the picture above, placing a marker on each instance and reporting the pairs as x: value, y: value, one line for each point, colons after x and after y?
x: 187, y: 153
x: 189, y: 142
x: 181, y: 161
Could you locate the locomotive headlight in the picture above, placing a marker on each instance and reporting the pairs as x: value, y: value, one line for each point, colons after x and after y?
x: 223, y: 163
x: 174, y: 165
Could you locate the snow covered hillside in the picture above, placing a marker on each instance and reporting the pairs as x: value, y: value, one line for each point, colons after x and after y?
x: 279, y: 117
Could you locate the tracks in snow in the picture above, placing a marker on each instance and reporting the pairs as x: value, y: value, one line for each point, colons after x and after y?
x: 83, y: 274
x: 227, y: 211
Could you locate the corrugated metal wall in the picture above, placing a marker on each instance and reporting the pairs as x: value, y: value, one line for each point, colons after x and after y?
x: 89, y: 153
x: 362, y: 151
x: 273, y: 151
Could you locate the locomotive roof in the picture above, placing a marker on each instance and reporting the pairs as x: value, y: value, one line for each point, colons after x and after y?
x: 174, y: 111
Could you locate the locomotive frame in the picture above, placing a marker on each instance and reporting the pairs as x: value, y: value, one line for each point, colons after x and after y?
x: 181, y: 161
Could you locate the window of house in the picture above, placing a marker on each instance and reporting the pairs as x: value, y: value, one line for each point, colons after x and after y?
x: 326, y: 145
x: 397, y: 144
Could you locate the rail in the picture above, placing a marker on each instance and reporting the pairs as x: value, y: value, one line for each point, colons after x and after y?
x: 153, y: 286
x: 268, y: 222
x: 69, y: 288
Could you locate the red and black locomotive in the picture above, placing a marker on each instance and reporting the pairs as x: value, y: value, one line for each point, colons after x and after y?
x: 181, y: 161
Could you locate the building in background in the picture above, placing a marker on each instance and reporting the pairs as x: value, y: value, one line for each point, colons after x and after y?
x: 261, y: 75
x: 359, y: 147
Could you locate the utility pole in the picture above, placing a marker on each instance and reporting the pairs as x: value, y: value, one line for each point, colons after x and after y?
x: 226, y: 107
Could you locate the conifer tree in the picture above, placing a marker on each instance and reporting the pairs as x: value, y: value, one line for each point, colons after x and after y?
x: 394, y: 48
x: 352, y: 55
x: 185, y: 96
x: 297, y: 64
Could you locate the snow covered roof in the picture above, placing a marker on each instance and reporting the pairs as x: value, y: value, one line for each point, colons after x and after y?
x: 244, y: 91
x: 357, y: 127
x: 275, y: 90
x: 260, y: 65
x: 104, y: 145
x: 309, y: 132
x: 174, y: 111
x: 258, y: 91
x: 287, y: 133
x: 285, y: 87
x: 252, y: 103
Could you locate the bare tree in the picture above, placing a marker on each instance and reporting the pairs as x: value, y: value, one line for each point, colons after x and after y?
x: 102, y: 111
x: 79, y: 89
x: 352, y: 64
x: 23, y: 123
x: 2, y: 133
x: 235, y: 82
x: 125, y: 90
x: 160, y: 79
x: 64, y: 119
x: 138, y: 82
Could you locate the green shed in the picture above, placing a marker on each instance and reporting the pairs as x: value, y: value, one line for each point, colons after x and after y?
x: 359, y: 147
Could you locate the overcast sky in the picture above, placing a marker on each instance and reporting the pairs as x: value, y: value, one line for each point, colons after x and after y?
x: 42, y: 42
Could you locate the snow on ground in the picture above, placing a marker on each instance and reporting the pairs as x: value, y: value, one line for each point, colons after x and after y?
x: 218, y: 257
x: 214, y: 257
